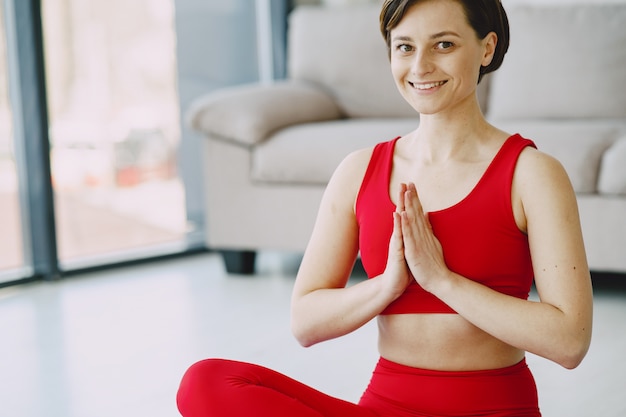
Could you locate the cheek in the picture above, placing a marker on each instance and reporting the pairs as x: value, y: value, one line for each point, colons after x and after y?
x: 398, y: 70
x: 469, y: 68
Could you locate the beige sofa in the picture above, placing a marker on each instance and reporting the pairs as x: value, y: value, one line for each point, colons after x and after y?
x: 271, y: 148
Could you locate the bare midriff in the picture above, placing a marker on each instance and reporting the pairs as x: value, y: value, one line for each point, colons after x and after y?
x: 445, y: 342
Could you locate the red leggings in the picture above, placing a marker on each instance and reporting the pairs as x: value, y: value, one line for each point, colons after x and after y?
x: 223, y: 388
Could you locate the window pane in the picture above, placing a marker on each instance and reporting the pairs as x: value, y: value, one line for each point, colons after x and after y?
x: 114, y: 125
x: 11, y: 248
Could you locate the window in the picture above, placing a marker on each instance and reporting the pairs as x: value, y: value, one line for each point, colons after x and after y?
x: 96, y: 167
x: 114, y: 126
x: 11, y: 244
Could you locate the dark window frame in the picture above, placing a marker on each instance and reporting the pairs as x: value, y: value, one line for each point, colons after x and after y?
x: 27, y: 91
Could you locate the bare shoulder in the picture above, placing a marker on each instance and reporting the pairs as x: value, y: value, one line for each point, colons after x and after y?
x: 355, y: 163
x: 541, y: 189
x: 536, y: 168
x: 347, y: 178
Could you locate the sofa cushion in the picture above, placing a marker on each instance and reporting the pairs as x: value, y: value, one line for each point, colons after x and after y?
x: 247, y: 114
x: 578, y: 145
x: 613, y: 169
x: 564, y: 61
x: 309, y: 154
x: 341, y: 49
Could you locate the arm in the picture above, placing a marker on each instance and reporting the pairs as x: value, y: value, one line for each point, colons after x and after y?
x: 322, y: 306
x: 558, y: 327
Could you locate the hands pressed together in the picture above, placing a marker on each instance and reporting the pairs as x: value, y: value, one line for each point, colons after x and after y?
x: 414, y: 251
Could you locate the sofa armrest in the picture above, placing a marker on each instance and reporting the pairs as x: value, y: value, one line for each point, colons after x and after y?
x: 612, y: 176
x: 248, y: 114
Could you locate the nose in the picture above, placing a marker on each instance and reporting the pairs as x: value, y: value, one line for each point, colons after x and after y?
x: 422, y: 63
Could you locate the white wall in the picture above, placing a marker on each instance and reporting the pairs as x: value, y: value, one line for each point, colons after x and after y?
x: 216, y: 47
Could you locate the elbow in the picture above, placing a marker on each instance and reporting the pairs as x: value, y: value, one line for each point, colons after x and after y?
x: 303, y: 336
x: 572, y: 345
x: 573, y: 355
x: 571, y: 362
x: 305, y: 329
x: 305, y: 343
x: 300, y: 329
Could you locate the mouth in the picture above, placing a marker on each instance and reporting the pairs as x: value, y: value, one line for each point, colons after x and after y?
x: 427, y: 86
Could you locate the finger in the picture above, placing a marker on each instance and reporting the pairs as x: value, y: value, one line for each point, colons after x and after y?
x: 411, y: 204
x: 413, y: 199
x: 415, y: 212
x: 397, y: 244
x: 408, y: 235
x: 397, y: 226
x: 401, y: 197
x: 427, y: 221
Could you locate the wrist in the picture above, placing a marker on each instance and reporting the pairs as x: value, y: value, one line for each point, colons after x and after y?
x: 443, y: 284
x: 389, y: 286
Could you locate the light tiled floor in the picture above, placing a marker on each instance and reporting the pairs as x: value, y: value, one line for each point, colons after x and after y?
x: 116, y: 342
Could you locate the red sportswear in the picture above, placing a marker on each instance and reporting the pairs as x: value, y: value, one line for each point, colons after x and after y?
x: 480, y: 241
x: 479, y: 236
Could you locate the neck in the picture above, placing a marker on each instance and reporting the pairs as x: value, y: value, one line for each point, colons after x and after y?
x: 447, y: 135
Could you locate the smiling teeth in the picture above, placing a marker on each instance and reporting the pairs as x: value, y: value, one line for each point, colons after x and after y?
x: 428, y: 86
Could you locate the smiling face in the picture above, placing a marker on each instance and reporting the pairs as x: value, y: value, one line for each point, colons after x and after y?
x: 436, y: 56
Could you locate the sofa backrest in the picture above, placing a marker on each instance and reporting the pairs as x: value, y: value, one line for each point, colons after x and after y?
x: 342, y: 50
x: 565, y: 61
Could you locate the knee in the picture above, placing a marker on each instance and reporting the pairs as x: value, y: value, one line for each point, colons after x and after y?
x: 198, y: 386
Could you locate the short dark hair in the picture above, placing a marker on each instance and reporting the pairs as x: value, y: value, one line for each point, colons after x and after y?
x: 484, y: 16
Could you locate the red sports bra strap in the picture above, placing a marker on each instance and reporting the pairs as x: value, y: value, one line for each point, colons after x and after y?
x: 378, y: 171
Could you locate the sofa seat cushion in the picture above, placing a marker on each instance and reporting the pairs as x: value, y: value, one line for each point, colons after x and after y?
x: 578, y: 145
x: 565, y: 61
x: 309, y: 153
x: 613, y: 170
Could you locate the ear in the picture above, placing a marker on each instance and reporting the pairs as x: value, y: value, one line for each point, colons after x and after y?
x: 489, y: 43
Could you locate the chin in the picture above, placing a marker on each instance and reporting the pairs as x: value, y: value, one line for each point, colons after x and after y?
x: 423, y: 107
x: 425, y: 110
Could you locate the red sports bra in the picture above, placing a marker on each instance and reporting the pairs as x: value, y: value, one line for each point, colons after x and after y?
x: 479, y: 236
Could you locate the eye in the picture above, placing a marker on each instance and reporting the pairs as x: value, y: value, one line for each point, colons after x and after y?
x: 404, y: 48
x: 443, y: 45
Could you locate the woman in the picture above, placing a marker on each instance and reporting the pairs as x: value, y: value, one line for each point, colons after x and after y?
x: 452, y: 221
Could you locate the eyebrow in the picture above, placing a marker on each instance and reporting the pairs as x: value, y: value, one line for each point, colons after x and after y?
x: 444, y: 34
x: 402, y: 38
x: 434, y: 36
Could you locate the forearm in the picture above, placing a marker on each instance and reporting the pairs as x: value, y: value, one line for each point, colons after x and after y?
x: 328, y: 313
x: 541, y: 328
